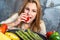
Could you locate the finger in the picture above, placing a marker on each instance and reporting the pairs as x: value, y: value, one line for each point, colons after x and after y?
x: 23, y: 18
x: 23, y: 15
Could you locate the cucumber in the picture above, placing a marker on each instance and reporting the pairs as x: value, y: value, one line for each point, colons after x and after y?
x: 20, y: 35
x: 34, y: 35
x: 37, y: 36
x: 25, y: 33
x: 30, y: 33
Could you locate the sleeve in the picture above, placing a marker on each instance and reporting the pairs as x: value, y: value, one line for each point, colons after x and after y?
x: 11, y: 19
x: 43, y: 28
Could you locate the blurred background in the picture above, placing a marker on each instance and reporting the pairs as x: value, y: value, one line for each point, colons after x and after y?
x: 50, y: 10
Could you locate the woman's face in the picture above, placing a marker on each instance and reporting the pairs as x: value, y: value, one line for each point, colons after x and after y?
x: 31, y: 10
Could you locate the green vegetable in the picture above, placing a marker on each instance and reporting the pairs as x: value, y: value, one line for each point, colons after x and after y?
x: 28, y: 35
x: 29, y: 32
x: 55, y: 33
x: 25, y: 33
x: 34, y: 35
x: 20, y: 35
x: 24, y: 36
x: 37, y: 36
x: 55, y: 36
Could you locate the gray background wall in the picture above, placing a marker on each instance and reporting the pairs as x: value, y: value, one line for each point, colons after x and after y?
x: 50, y: 9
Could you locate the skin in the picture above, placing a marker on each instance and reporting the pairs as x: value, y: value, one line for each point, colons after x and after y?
x: 29, y: 11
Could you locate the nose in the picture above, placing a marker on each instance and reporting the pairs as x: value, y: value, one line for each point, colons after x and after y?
x: 28, y: 13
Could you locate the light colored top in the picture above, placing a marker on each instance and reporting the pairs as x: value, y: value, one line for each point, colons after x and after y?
x: 14, y: 17
x: 43, y: 28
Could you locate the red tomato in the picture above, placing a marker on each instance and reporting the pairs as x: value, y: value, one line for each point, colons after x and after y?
x: 27, y: 19
x: 3, y: 28
x: 48, y: 34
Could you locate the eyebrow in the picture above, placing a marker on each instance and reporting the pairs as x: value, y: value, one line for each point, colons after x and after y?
x: 28, y: 7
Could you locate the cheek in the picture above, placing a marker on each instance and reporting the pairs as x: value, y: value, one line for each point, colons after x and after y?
x: 34, y: 15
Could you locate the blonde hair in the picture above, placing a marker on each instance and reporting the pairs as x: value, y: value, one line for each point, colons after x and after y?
x: 35, y: 25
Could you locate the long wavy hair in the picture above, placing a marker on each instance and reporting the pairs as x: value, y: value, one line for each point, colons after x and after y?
x: 35, y: 25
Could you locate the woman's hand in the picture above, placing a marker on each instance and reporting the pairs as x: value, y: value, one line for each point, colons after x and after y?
x: 23, y: 17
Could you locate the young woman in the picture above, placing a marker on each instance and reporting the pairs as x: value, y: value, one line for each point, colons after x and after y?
x: 29, y: 16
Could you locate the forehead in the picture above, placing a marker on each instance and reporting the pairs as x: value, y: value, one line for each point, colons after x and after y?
x: 32, y: 5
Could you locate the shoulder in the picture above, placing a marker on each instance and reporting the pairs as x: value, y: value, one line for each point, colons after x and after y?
x: 42, y: 22
x: 43, y: 27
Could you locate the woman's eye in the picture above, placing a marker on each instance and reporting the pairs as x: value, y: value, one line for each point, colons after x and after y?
x: 27, y: 8
x: 33, y: 10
